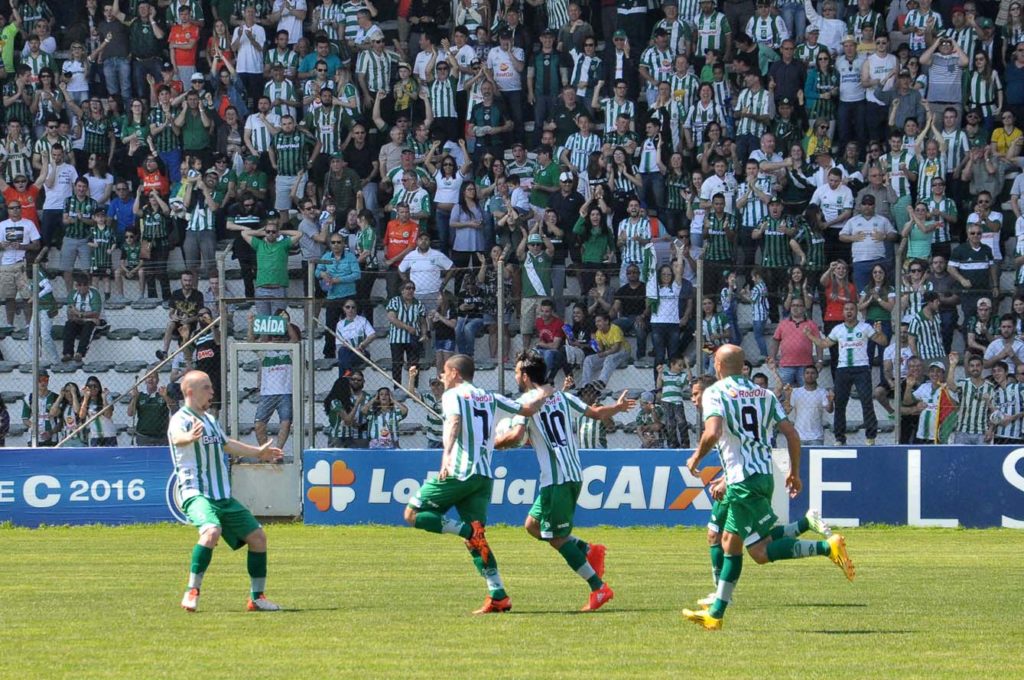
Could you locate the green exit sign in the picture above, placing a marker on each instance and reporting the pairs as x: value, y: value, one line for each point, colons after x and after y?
x: 269, y: 325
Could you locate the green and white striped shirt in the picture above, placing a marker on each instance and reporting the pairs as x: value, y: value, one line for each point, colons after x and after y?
x: 581, y: 147
x: 659, y: 64
x: 291, y: 153
x: 408, y: 313
x: 593, y: 434
x: 717, y: 245
x: 201, y: 218
x: 349, y: 11
x: 929, y: 169
x: 750, y: 415
x: 435, y: 424
x: 553, y: 435
x: 928, y: 421
x: 946, y: 206
x: 325, y: 124
x: 758, y: 104
x: 890, y: 163
x: 1008, y: 402
x: 441, y: 94
x: 754, y: 210
x: 632, y: 251
x: 201, y: 467
x: 283, y: 90
x: 714, y: 327
x: 711, y: 31
x: 972, y: 416
x: 325, y: 16
x: 382, y: 428
x: 928, y: 335
x: 613, y: 109
x: 982, y: 92
x: 954, y: 148
x: 287, y: 58
x: 478, y: 411
x: 672, y: 385
x: 376, y: 68
x: 558, y: 13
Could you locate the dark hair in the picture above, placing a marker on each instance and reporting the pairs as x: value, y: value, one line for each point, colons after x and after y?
x: 533, y: 366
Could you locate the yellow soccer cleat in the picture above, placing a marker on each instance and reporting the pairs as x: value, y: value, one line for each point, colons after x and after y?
x: 839, y: 556
x: 703, y: 618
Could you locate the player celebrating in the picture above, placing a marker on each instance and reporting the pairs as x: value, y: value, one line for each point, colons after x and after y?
x: 739, y: 417
x: 198, y: 446
x: 465, y: 479
x: 553, y: 434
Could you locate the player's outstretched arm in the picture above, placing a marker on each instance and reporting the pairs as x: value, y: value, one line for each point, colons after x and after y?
x: 233, y: 447
x: 793, y: 482
x: 712, y: 431
x: 623, y: 404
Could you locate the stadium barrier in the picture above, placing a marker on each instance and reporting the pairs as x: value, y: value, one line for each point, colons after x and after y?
x: 941, y: 486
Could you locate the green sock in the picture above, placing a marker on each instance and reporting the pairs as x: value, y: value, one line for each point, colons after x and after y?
x: 201, y: 556
x: 717, y: 557
x: 791, y: 530
x: 732, y: 567
x: 256, y: 562
x: 791, y: 549
x: 439, y: 524
x: 581, y: 544
x: 489, y: 570
x: 577, y: 561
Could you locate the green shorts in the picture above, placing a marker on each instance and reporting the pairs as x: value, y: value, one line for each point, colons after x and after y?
x: 232, y: 518
x: 469, y: 497
x: 749, y: 514
x: 719, y: 513
x: 555, y: 507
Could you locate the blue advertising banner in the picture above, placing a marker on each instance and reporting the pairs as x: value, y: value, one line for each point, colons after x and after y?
x: 87, y: 486
x: 625, y: 488
x: 947, y: 486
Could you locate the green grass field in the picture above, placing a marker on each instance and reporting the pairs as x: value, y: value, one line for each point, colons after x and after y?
x: 371, y: 602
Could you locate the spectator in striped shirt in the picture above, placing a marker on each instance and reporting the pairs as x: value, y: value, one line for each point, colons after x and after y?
x: 408, y: 331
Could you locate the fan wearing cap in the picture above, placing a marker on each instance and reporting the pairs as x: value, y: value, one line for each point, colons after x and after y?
x: 766, y: 29
x: 373, y: 71
x: 946, y: 62
x: 713, y: 32
x: 656, y: 64
x: 810, y: 49
x: 832, y: 29
x: 926, y: 400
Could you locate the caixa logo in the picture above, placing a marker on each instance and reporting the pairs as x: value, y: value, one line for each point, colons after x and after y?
x: 172, y: 496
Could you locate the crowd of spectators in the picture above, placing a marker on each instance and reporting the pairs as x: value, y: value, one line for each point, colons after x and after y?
x: 582, y: 156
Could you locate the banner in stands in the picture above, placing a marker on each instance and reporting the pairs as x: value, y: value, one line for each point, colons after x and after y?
x: 943, y: 486
x: 619, y: 487
x: 87, y: 486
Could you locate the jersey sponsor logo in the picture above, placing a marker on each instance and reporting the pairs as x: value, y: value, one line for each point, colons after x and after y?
x: 204, y: 354
x: 746, y: 394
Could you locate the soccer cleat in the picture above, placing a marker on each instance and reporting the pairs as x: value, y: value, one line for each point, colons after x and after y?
x: 190, y: 602
x: 262, y: 604
x: 703, y: 618
x: 492, y: 606
x: 817, y: 524
x: 478, y: 542
x: 839, y: 556
x: 598, y: 598
x: 595, y: 557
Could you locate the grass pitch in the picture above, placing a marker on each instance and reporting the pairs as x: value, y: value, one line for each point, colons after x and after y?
x: 381, y: 602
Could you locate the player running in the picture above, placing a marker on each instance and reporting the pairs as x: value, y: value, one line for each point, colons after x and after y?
x: 811, y: 520
x: 465, y: 479
x: 739, y: 418
x: 198, y: 447
x: 552, y: 432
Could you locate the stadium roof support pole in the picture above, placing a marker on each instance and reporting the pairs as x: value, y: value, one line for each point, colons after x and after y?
x: 222, y: 312
x: 897, y: 357
x: 309, y: 389
x: 37, y: 328
x: 156, y: 369
x: 698, y: 335
x: 501, y: 325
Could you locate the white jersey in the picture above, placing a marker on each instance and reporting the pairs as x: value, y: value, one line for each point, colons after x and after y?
x: 201, y: 467
x: 750, y: 415
x: 852, y: 343
x: 478, y: 411
x: 276, y: 373
x: 553, y: 435
x: 808, y: 412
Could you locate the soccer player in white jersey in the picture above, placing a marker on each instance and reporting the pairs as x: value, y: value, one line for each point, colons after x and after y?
x: 198, y: 447
x: 552, y: 432
x: 466, y: 478
x: 739, y: 418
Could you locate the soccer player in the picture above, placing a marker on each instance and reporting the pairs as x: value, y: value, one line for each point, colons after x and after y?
x: 465, y: 479
x: 812, y: 520
x: 739, y: 418
x: 198, y: 445
x: 553, y: 434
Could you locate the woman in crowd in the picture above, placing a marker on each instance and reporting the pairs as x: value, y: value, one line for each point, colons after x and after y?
x: 99, y: 411
x: 383, y: 414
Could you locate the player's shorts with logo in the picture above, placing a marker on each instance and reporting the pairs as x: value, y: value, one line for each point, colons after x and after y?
x: 233, y: 518
x: 749, y: 514
x: 470, y: 497
x: 555, y: 507
x: 719, y: 512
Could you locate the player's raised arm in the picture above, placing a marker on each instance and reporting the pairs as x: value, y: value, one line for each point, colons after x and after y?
x: 793, y: 445
x: 623, y: 404
x: 233, y: 447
